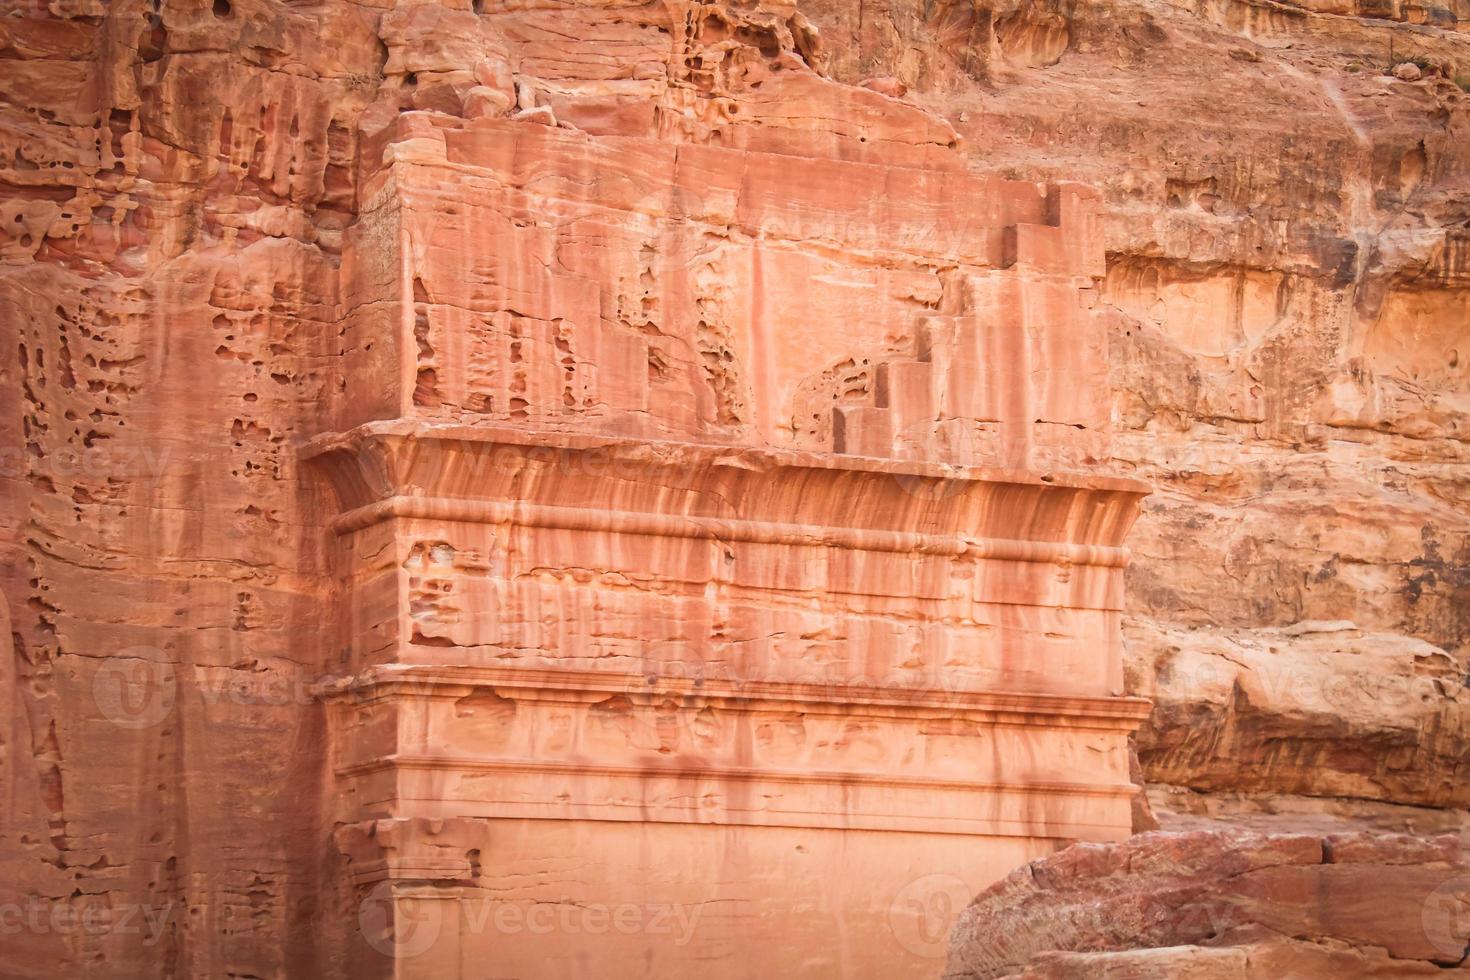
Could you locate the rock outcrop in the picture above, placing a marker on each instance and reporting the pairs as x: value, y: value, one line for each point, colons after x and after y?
x: 1219, y: 905
x: 1314, y: 709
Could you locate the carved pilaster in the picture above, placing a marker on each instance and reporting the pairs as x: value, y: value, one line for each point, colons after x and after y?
x: 411, y: 877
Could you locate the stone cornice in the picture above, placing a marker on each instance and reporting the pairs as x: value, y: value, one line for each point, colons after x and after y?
x: 385, y: 682
x: 671, y: 452
x: 762, y: 532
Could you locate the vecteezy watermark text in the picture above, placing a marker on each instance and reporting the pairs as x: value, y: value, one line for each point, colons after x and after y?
x: 94, y: 917
x: 403, y: 926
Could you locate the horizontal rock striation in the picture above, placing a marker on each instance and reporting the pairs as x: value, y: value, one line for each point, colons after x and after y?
x: 1285, y: 283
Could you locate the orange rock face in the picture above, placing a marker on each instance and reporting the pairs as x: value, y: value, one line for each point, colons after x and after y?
x: 640, y: 554
x: 650, y: 482
x: 502, y: 492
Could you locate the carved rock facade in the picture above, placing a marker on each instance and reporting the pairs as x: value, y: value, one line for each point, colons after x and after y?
x: 210, y: 212
x: 677, y: 620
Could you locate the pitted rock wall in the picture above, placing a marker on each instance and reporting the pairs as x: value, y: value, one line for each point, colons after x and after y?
x: 1288, y: 274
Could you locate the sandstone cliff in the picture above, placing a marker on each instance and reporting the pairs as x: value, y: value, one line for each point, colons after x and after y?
x: 1288, y: 241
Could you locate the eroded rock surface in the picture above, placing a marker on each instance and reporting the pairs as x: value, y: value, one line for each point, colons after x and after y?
x: 1221, y: 905
x: 1288, y: 278
x: 1316, y: 709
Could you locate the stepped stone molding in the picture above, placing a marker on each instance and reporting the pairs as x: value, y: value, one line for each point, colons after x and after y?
x: 537, y: 276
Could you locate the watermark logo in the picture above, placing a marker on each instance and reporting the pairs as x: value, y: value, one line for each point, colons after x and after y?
x: 400, y: 926
x: 924, y: 911
x: 405, y: 925
x: 945, y: 444
x: 1446, y: 918
x: 570, y: 918
x: 134, y: 690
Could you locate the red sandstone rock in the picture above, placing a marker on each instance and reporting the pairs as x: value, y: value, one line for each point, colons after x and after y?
x: 1224, y: 905
x: 1319, y: 709
x: 887, y: 86
x: 193, y: 246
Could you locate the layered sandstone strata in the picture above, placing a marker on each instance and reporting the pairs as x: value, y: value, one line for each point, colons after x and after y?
x: 1324, y: 709
x: 1284, y: 231
x: 839, y: 376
